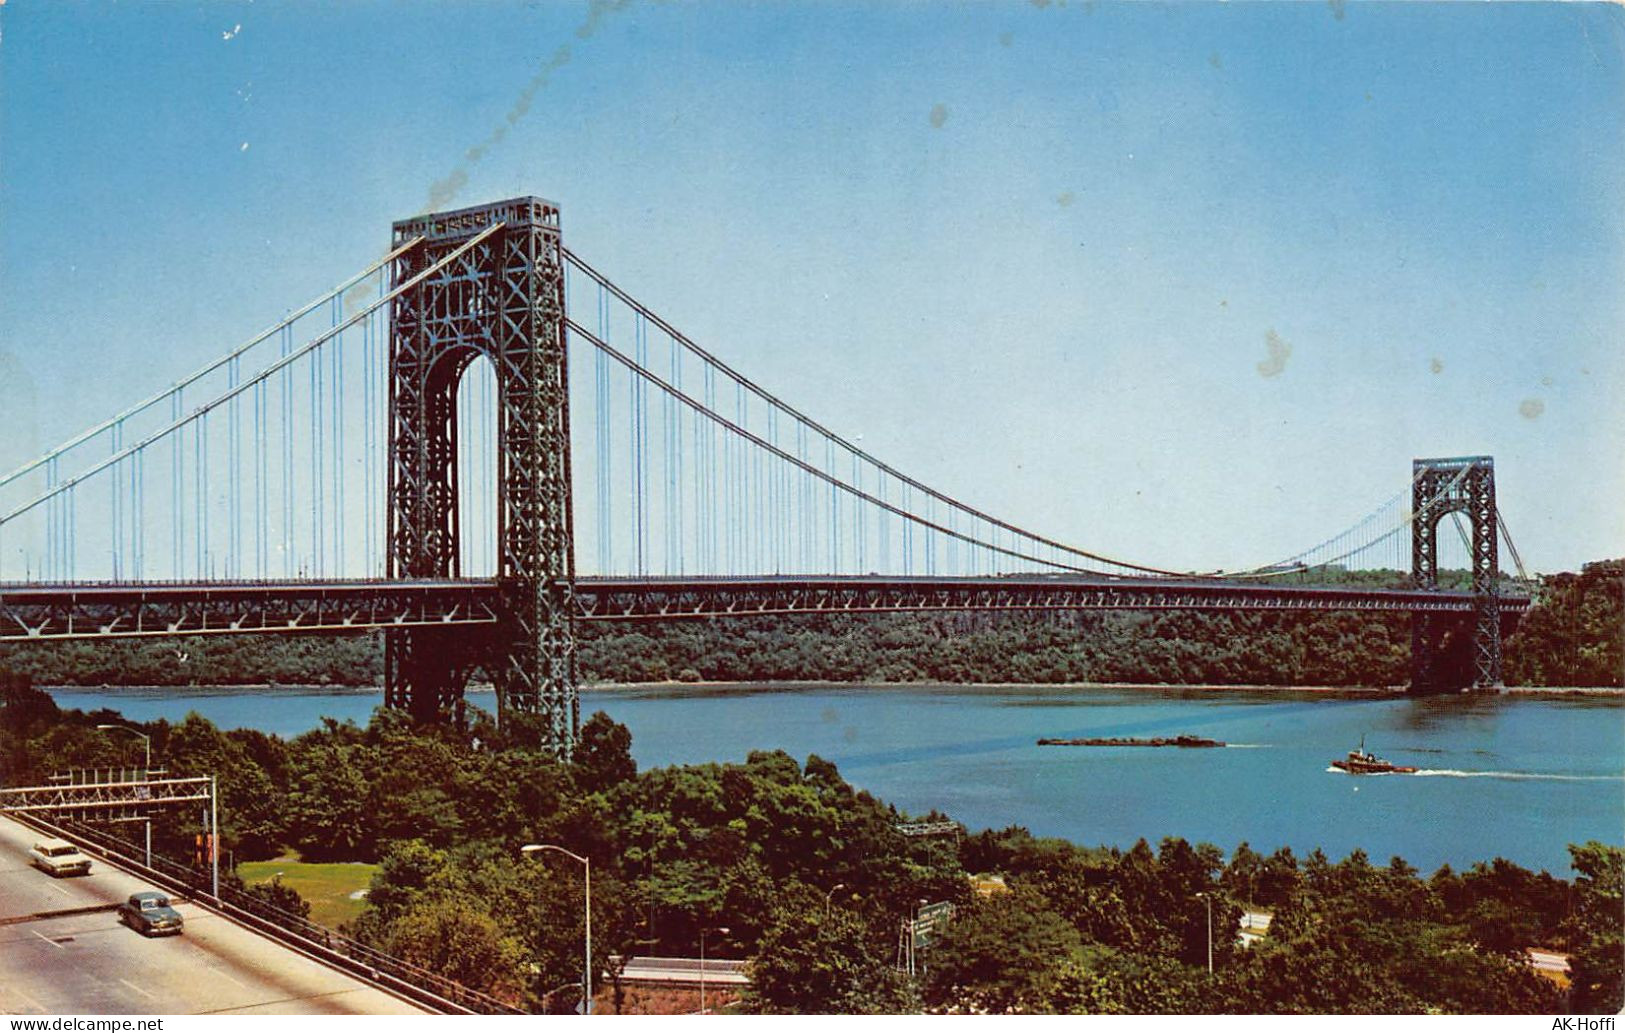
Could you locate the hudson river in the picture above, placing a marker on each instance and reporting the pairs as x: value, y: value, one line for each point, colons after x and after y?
x: 1516, y: 776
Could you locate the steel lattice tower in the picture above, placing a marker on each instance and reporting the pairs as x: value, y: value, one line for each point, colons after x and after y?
x: 503, y: 299
x: 1465, y: 484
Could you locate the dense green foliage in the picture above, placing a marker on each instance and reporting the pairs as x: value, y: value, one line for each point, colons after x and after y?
x: 787, y: 864
x: 1576, y: 635
x: 202, y: 660
x: 1571, y: 637
x: 1126, y: 932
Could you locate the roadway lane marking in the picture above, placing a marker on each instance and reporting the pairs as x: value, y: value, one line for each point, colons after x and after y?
x: 223, y: 975
x: 48, y: 940
x: 137, y: 989
x: 26, y: 999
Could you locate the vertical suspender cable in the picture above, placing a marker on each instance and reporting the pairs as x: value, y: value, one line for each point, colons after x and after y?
x: 668, y: 465
x: 726, y: 510
x: 639, y: 428
x: 52, y: 525
x: 138, y: 531
x: 711, y: 471
x: 177, y: 555
x: 318, y: 461
x: 677, y: 452
x: 315, y: 465
x: 930, y: 539
x: 235, y: 447
x: 739, y: 513
x: 908, y: 532
x: 884, y: 525
x: 338, y: 444
x: 377, y: 376
x: 72, y: 532
x: 698, y: 479
x: 116, y: 538
x: 860, y: 536
x: 366, y: 446
x: 834, y: 510
x: 759, y: 501
x: 602, y: 444
x: 286, y: 437
x: 798, y: 478
x: 201, y: 485
x: 259, y: 480
x: 774, y: 506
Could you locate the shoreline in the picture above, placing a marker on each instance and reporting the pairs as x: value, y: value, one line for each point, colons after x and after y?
x: 1395, y: 691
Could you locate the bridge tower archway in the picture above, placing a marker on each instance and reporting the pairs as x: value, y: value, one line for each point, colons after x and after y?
x: 1440, y: 487
x: 502, y: 300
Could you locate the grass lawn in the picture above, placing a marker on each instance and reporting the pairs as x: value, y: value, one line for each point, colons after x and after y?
x: 328, y: 887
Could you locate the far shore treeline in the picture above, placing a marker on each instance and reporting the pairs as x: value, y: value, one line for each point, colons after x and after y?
x: 1570, y: 637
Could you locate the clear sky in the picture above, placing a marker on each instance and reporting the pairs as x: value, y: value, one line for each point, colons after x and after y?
x: 1186, y: 284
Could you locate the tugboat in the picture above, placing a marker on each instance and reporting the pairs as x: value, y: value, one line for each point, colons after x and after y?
x: 1359, y: 762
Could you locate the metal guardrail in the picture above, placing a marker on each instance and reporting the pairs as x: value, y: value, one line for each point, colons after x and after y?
x: 403, y: 979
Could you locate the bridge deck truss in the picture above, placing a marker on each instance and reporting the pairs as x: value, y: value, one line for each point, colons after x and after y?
x: 29, y: 612
x: 36, y: 612
x: 668, y: 599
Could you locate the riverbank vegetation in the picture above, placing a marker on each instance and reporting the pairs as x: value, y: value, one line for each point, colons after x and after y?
x: 785, y: 863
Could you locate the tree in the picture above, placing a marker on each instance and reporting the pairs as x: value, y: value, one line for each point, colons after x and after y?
x: 1571, y: 635
x: 1104, y: 981
x: 809, y: 966
x: 328, y: 815
x: 1000, y: 955
x: 461, y: 941
x: 603, y: 754
x: 281, y: 896
x: 1597, y: 965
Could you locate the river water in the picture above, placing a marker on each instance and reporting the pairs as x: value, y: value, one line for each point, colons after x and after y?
x: 1517, y: 776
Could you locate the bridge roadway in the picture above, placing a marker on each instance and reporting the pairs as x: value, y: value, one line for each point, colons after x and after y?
x: 119, y: 609
x: 64, y: 952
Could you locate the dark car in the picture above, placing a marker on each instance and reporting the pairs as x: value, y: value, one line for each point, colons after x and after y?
x: 149, y: 914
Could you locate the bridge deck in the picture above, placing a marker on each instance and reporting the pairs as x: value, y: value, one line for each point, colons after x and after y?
x: 118, y: 610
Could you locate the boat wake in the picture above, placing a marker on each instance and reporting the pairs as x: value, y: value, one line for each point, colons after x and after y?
x: 1515, y: 776
x: 1246, y: 745
x: 1532, y: 776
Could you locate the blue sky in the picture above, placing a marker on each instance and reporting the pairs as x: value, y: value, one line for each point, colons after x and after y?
x: 1033, y: 253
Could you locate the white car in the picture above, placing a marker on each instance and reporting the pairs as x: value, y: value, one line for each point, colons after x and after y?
x: 58, y: 857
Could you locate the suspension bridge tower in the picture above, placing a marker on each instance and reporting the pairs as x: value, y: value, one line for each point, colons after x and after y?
x: 503, y: 299
x: 1440, y: 487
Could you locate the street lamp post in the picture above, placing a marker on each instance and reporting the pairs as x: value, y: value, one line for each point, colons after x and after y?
x: 214, y: 834
x: 586, y: 973
x: 703, y: 930
x: 1208, y: 900
x: 830, y: 896
x: 147, y: 739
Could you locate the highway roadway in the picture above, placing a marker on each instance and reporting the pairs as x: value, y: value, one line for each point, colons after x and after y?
x: 53, y: 963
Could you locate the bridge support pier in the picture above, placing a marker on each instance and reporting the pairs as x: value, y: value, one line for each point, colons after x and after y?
x: 504, y: 299
x: 1440, y: 487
